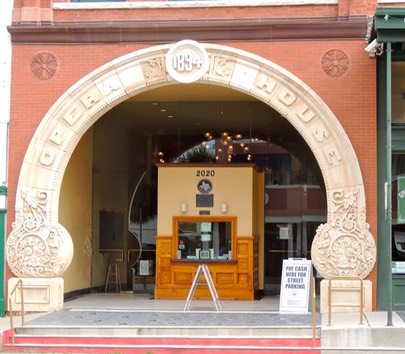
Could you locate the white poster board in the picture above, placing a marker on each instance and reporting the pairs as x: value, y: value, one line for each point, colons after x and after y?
x: 295, y: 285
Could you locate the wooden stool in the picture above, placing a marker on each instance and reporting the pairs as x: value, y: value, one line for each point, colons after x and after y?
x: 113, y: 277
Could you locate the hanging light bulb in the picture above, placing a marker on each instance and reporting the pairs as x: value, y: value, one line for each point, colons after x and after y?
x: 238, y: 136
x: 207, y: 135
x: 249, y: 157
x: 246, y: 149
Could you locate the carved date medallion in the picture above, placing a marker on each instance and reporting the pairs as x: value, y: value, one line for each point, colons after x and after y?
x: 187, y: 61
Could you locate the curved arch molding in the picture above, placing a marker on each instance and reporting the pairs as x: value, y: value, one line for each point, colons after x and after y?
x: 39, y: 246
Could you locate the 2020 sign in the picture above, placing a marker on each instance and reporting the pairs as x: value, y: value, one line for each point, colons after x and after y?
x: 205, y: 173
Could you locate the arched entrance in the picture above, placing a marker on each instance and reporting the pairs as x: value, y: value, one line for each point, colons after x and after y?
x: 37, y: 227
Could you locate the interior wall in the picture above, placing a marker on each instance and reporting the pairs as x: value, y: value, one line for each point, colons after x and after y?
x: 232, y: 185
x: 110, y: 192
x: 75, y: 212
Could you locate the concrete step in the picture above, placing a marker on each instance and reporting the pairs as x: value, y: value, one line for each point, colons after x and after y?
x: 383, y: 338
x: 169, y: 331
x: 32, y: 340
x: 126, y: 331
x: 372, y: 334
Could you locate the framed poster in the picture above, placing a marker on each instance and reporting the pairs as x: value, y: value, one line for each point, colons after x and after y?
x: 295, y: 285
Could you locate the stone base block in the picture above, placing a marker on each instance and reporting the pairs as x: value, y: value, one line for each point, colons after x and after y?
x: 39, y: 294
x: 345, y: 296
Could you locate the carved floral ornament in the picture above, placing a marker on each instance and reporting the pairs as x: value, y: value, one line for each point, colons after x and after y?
x: 35, y: 247
x: 344, y: 246
x: 335, y: 63
x: 44, y: 65
x: 40, y: 247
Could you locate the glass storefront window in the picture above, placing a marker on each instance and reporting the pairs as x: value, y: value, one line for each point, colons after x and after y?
x: 398, y: 228
x: 398, y: 96
x: 204, y: 240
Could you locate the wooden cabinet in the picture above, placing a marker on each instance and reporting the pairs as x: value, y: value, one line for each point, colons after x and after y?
x: 233, y: 279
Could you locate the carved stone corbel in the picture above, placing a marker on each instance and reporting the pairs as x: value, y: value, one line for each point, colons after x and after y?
x: 344, y: 246
x: 35, y: 247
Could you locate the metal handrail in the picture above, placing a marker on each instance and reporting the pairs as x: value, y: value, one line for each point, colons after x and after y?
x: 10, y: 305
x: 330, y: 296
x: 313, y: 312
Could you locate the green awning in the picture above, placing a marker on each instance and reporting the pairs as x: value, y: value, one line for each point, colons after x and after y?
x: 389, y: 24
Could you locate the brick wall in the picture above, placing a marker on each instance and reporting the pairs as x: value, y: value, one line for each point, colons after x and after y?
x: 351, y: 96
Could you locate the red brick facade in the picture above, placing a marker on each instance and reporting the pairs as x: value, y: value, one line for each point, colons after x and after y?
x: 322, y: 28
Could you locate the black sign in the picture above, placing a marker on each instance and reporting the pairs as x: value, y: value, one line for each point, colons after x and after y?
x: 204, y: 200
x: 204, y: 212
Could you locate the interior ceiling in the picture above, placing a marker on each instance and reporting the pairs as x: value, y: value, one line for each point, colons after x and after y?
x: 177, y: 116
x: 193, y: 109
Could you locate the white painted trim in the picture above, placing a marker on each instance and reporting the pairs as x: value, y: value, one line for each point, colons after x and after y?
x: 185, y: 4
x: 391, y: 2
x: 5, y: 87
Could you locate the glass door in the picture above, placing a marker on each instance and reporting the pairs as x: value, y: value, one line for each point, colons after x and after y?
x: 295, y: 205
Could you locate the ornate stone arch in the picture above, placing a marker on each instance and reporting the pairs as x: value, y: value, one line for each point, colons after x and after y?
x: 342, y: 246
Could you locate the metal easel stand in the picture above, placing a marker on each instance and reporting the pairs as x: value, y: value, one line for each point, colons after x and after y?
x: 203, y: 268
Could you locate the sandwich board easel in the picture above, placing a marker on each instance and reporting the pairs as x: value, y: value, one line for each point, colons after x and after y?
x: 203, y: 268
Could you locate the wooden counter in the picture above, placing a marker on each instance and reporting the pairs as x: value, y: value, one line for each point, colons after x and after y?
x: 234, y: 279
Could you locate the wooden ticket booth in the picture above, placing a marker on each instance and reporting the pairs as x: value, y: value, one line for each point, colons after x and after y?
x: 209, y: 214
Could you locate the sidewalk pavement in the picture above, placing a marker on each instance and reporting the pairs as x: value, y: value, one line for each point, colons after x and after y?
x: 345, y: 329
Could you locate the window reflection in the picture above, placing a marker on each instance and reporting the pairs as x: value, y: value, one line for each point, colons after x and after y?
x: 204, y: 240
x: 398, y: 228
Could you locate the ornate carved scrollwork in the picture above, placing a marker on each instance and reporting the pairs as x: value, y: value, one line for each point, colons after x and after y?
x: 154, y: 69
x: 345, y: 246
x: 222, y: 67
x: 37, y: 248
